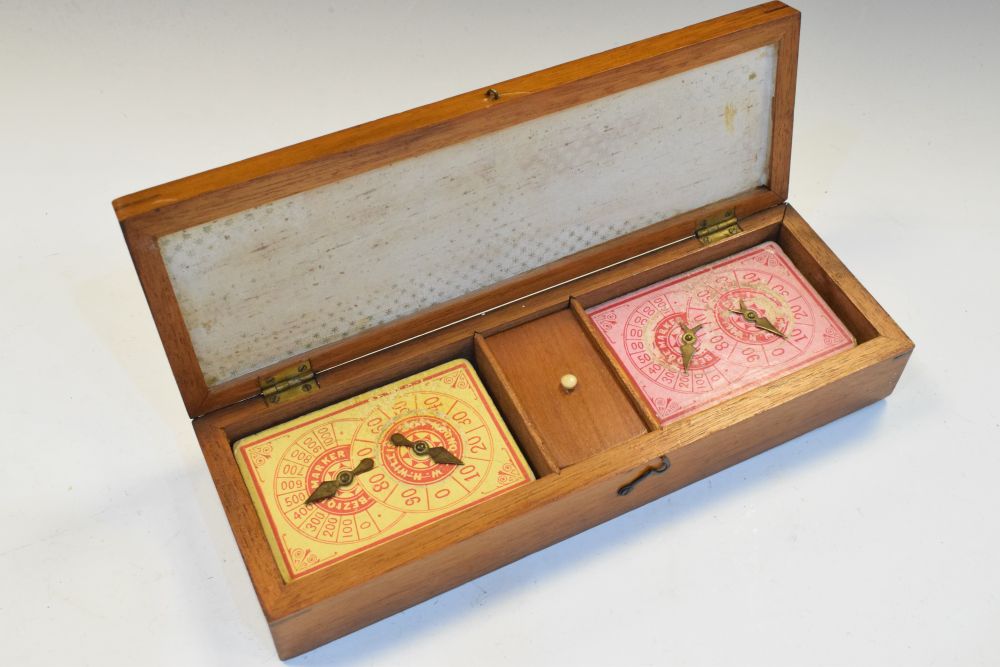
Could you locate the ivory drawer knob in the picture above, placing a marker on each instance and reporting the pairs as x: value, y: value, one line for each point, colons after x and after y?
x: 568, y: 382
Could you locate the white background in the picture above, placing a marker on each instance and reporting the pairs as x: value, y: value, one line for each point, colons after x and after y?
x: 874, y: 540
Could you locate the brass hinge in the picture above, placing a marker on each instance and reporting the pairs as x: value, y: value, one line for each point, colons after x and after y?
x: 717, y: 227
x: 288, y: 384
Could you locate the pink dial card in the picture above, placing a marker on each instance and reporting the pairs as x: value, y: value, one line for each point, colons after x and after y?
x: 696, y: 339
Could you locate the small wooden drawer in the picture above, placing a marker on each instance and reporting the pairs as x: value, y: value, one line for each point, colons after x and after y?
x: 529, y: 360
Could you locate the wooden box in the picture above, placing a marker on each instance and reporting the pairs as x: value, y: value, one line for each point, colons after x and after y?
x: 481, y: 227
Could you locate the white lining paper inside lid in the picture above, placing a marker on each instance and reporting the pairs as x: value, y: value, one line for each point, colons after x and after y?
x: 271, y: 282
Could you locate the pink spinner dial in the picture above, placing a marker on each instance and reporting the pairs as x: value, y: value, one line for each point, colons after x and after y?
x: 749, y: 319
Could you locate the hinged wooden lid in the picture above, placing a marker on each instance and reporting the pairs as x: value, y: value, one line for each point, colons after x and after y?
x: 336, y: 247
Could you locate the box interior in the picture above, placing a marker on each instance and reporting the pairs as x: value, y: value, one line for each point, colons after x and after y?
x: 550, y: 430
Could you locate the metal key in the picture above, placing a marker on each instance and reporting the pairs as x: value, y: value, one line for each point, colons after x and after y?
x: 664, y: 465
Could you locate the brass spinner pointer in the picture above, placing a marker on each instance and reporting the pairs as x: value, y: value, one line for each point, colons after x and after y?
x: 422, y: 448
x: 755, y: 319
x: 688, y: 339
x: 328, y: 489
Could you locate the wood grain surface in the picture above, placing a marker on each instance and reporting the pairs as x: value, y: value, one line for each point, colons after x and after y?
x: 572, y: 426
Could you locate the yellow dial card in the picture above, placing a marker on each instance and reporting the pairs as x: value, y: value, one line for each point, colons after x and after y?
x: 384, y: 463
